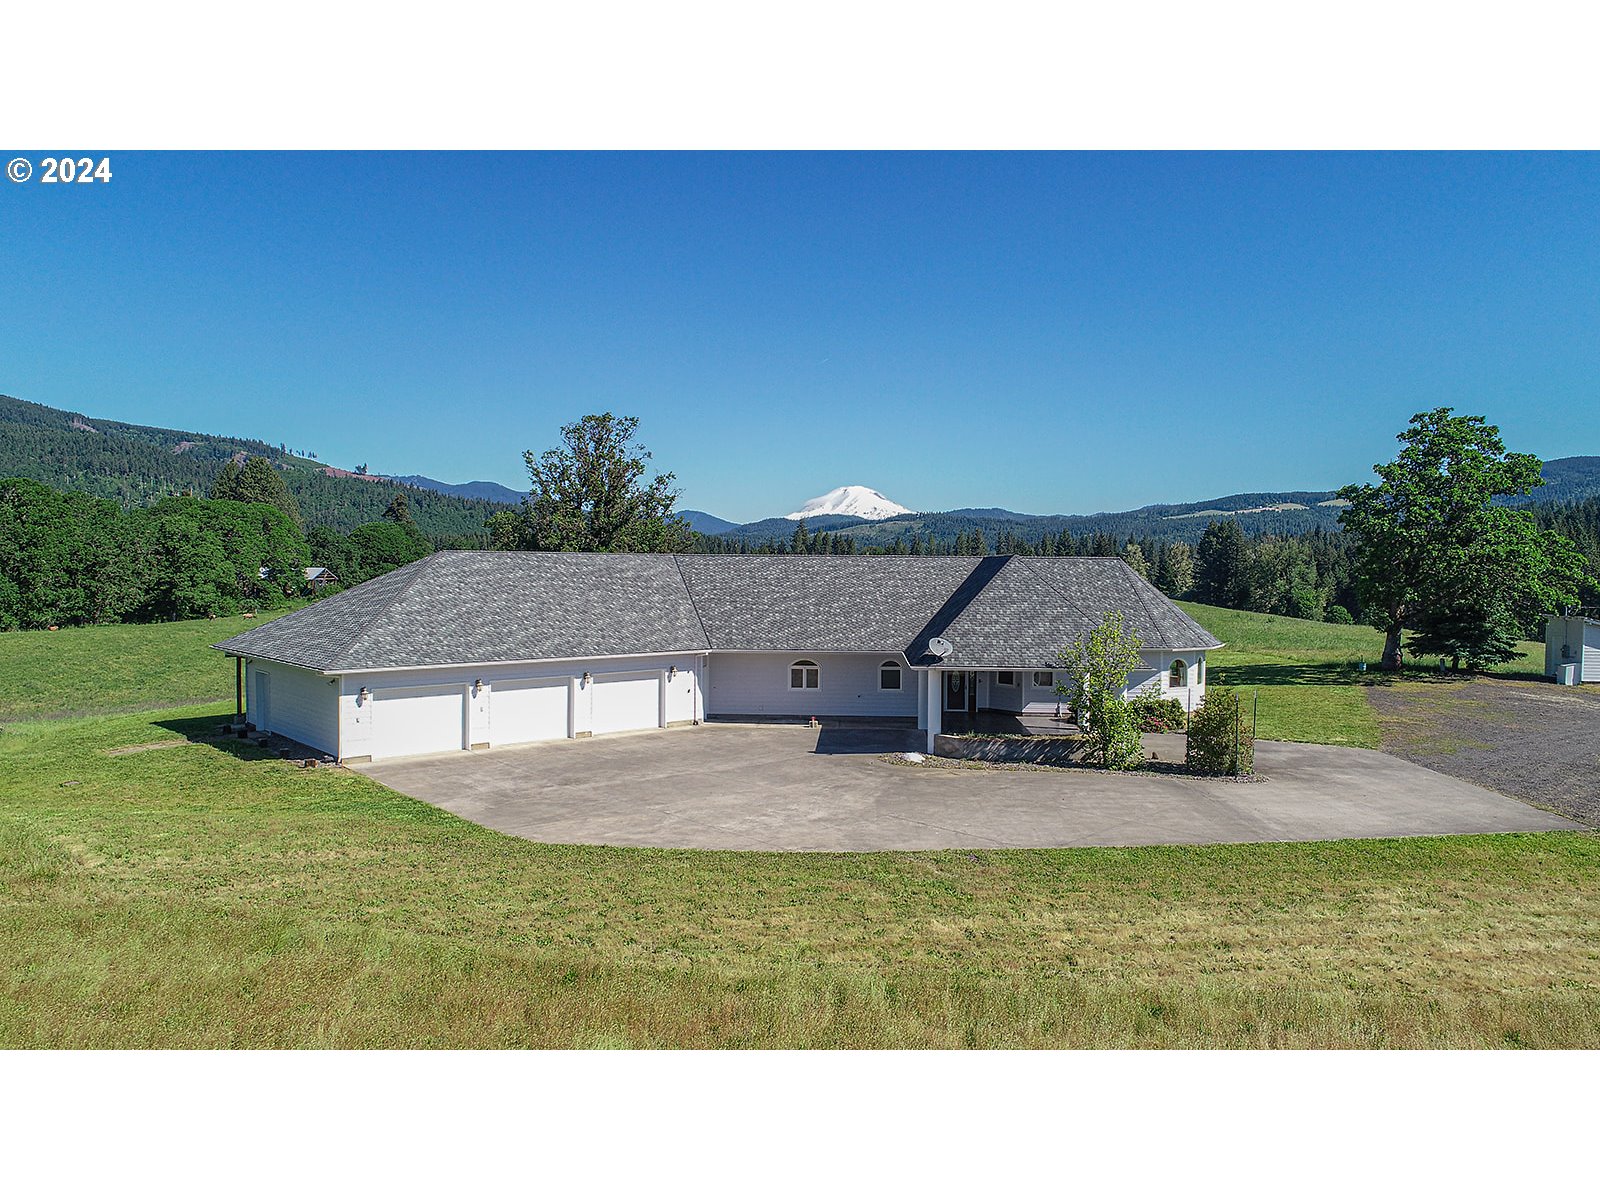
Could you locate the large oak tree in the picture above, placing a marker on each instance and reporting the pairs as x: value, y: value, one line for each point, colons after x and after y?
x: 1435, y: 553
x: 590, y: 493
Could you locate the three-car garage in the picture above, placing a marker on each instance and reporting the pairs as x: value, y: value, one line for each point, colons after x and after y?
x: 392, y: 715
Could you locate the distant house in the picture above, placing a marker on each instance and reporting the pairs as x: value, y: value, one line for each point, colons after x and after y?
x: 1572, y: 649
x: 473, y: 649
x: 318, y: 577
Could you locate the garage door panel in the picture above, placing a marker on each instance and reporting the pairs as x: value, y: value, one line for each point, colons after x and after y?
x: 624, y: 702
x: 417, y: 721
x: 1591, y: 654
x: 527, y: 711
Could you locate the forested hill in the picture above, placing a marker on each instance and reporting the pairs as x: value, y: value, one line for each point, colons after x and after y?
x: 1277, y: 514
x: 137, y: 464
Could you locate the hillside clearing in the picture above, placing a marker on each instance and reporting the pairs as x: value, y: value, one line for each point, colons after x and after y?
x: 1308, y: 676
x: 116, y: 668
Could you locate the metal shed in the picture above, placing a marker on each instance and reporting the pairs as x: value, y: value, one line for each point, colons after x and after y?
x: 1572, y: 649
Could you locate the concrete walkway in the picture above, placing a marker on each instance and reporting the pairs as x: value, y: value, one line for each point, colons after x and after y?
x: 782, y: 787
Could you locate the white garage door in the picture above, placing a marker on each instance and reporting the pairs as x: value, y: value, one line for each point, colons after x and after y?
x: 626, y: 702
x: 417, y: 720
x: 527, y: 710
x: 1591, y: 654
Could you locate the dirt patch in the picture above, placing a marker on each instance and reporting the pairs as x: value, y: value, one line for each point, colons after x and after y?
x: 143, y: 746
x: 1535, y: 741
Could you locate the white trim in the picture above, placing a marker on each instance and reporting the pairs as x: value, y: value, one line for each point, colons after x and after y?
x: 493, y: 662
x: 803, y: 665
x: 333, y: 672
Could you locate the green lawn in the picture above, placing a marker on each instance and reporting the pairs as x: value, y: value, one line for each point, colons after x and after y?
x: 115, y: 668
x: 202, y: 895
x: 199, y: 893
x: 1307, y: 673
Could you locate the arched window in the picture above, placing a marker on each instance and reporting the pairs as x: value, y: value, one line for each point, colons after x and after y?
x: 804, y: 675
x: 1179, y: 676
x: 889, y: 677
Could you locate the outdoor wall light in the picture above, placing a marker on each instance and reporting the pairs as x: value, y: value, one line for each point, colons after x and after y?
x: 587, y: 677
x: 477, y: 686
x: 672, y: 672
x: 362, y: 695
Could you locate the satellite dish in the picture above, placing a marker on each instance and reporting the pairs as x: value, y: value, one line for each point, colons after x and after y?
x: 939, y: 647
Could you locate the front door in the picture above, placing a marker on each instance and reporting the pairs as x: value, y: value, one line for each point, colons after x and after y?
x: 959, y: 693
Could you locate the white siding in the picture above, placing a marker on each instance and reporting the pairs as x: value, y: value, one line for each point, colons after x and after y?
x: 355, y: 717
x: 757, y: 684
x: 296, y: 703
x: 1024, y: 695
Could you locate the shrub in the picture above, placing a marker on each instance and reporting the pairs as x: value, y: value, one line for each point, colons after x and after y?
x: 1099, y: 665
x: 1159, y: 714
x: 1338, y: 614
x: 1221, y: 741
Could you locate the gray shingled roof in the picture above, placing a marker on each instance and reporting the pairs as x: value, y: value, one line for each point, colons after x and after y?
x: 800, y: 602
x: 479, y: 606
x: 470, y: 606
x: 1029, y: 608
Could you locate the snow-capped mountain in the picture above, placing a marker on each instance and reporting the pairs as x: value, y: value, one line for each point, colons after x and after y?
x: 852, y: 501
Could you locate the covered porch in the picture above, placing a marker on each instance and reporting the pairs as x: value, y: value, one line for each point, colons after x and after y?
x: 1034, y: 700
x: 1022, y: 700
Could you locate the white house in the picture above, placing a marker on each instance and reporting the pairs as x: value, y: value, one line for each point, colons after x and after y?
x: 1572, y: 649
x: 471, y: 649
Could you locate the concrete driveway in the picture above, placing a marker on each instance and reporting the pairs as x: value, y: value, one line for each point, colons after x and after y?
x: 784, y: 787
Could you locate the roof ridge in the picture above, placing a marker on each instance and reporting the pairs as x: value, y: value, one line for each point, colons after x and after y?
x: 1055, y: 584
x: 694, y: 605
x: 1138, y: 594
x: 366, y: 626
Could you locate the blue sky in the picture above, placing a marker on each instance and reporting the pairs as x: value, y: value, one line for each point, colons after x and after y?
x: 1041, y: 332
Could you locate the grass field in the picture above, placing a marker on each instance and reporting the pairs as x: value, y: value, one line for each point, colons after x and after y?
x: 115, y: 668
x: 197, y: 893
x: 1307, y: 673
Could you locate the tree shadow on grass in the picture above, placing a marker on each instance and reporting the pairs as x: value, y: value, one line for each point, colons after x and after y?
x: 1274, y: 674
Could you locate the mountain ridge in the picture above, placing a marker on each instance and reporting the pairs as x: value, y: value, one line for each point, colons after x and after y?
x: 135, y: 464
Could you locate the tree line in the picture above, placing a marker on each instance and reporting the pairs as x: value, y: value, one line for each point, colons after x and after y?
x: 1433, y: 550
x: 67, y: 558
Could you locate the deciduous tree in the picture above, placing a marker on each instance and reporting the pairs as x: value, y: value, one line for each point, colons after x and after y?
x: 1433, y: 548
x: 590, y: 493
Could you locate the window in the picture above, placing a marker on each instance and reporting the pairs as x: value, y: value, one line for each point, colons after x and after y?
x: 889, y: 677
x: 1179, y: 676
x: 804, y: 675
x: 1044, y: 679
x: 1006, y: 678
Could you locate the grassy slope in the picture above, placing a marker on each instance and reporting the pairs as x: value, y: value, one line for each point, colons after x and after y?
x: 112, y: 668
x: 1310, y: 687
x: 199, y: 895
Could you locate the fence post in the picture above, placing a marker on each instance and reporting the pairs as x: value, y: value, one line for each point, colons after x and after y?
x: 1238, y: 718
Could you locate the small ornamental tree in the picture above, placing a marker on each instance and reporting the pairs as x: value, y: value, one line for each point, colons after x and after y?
x: 1099, y: 665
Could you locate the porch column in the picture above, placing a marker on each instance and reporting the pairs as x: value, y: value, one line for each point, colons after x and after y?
x: 922, y: 698
x: 935, y: 703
